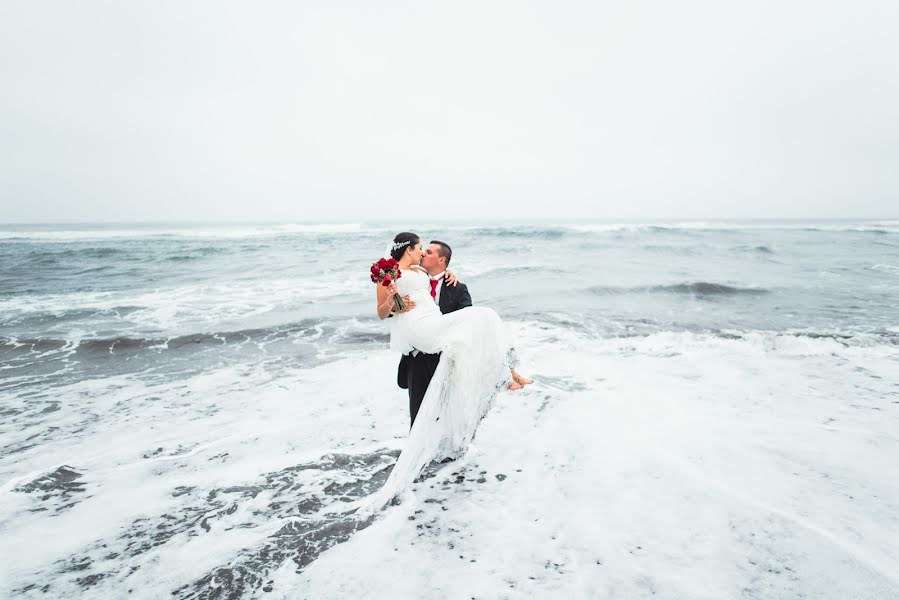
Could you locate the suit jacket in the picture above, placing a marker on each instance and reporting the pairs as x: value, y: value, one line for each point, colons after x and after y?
x: 452, y: 298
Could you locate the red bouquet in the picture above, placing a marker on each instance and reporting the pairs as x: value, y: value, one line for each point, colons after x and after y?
x: 384, y: 272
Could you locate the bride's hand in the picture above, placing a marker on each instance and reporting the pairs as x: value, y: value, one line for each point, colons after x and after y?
x: 393, y: 289
x: 450, y: 278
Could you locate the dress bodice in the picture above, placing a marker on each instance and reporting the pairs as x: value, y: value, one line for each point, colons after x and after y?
x: 417, y: 286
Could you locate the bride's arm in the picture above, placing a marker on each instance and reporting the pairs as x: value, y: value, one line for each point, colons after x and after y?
x: 385, y: 301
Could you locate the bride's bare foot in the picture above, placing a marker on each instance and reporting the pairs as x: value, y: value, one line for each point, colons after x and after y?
x: 520, y: 380
x: 514, y: 386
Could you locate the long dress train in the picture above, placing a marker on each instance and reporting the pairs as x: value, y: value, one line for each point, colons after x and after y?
x: 475, y: 363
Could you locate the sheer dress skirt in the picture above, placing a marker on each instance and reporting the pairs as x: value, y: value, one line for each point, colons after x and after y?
x: 475, y: 363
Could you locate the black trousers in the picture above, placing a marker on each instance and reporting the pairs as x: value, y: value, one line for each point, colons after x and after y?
x: 421, y: 369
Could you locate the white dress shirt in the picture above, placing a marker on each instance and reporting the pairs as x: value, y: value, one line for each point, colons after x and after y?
x: 439, y: 277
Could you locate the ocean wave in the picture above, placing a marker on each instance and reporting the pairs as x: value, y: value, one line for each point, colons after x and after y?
x: 885, y: 267
x: 698, y: 288
x: 858, y: 226
x: 766, y: 338
x: 78, y: 252
x: 561, y: 230
x: 344, y: 332
x: 742, y: 343
x: 190, y: 254
x: 646, y: 227
x: 237, y: 231
x: 672, y: 227
x: 858, y: 229
x: 477, y: 271
x: 193, y: 304
x: 99, y: 269
x: 57, y: 259
x: 352, y: 332
x: 217, y: 232
x: 703, y: 288
x: 528, y: 232
x: 565, y: 330
x: 859, y: 339
x: 320, y: 228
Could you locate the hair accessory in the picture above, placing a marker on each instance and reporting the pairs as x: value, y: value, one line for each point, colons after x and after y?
x: 398, y: 245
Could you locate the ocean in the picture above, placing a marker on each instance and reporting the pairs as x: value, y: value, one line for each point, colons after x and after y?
x: 186, y: 407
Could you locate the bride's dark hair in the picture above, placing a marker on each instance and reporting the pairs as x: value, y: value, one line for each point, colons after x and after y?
x: 407, y: 239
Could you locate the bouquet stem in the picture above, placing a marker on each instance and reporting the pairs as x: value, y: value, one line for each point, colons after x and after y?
x: 400, y: 305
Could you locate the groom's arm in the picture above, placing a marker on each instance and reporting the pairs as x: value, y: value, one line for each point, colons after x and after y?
x: 464, y: 297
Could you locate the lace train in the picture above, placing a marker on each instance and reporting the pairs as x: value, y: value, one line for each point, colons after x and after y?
x: 476, y: 362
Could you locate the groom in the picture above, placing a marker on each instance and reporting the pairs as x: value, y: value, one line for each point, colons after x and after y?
x: 417, y: 368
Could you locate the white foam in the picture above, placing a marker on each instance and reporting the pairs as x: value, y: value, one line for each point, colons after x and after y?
x: 675, y: 465
x: 197, y: 307
x: 680, y: 466
x: 261, y: 425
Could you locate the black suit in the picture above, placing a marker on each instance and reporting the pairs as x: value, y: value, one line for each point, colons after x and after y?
x: 415, y: 372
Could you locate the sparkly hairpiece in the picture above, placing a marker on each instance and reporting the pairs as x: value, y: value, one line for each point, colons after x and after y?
x: 398, y: 245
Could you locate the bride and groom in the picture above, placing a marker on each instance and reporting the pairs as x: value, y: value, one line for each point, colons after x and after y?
x: 456, y: 358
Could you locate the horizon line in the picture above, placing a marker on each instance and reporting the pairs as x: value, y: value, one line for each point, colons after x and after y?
x: 630, y: 220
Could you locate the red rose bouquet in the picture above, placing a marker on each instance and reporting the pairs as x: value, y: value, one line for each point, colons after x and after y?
x: 384, y: 272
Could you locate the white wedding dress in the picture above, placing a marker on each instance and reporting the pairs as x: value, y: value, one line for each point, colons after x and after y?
x: 476, y: 362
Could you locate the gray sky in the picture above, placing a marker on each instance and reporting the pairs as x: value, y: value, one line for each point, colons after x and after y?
x: 302, y: 111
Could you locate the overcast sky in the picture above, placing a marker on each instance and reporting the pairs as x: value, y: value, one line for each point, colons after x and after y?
x: 326, y: 111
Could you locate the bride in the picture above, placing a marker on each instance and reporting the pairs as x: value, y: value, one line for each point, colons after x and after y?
x: 477, y: 361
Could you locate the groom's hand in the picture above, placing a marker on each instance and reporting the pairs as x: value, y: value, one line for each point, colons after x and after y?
x: 410, y: 304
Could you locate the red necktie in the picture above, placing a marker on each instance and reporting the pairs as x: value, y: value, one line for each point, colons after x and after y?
x: 434, y: 289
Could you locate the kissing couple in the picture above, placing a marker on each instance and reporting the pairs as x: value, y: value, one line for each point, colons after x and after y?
x: 455, y: 358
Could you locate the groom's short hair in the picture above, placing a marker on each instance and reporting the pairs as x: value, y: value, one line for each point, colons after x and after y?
x: 445, y: 251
